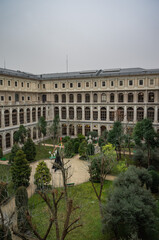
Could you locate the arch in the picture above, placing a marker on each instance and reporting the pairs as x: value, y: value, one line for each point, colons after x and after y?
x: 140, y: 114
x: 102, y: 129
x: 79, y: 129
x: 28, y: 115
x: 63, y: 98
x: 56, y: 111
x: 64, y: 129
x: 71, y: 130
x: 71, y: 113
x: 120, y: 114
x: 79, y: 113
x: 44, y: 112
x: 140, y: 97
x: 21, y: 116
x: 1, y: 142
x: 71, y: 98
x: 63, y: 113
x: 56, y: 98
x: 34, y: 133
x: 8, y: 140
x: 87, y: 113
x: 87, y: 130
x: 103, y: 97
x: 103, y: 114
x: 34, y: 114
x: 130, y: 97
x: 112, y: 97
x: 14, y: 117
x: 151, y: 113
x: 151, y: 97
x: 130, y: 114
x: 79, y: 98
x: 39, y: 112
x: 87, y: 97
x: 6, y: 118
x: 120, y: 97
x: 95, y: 97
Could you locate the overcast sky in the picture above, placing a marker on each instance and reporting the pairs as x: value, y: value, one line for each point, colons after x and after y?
x: 37, y: 35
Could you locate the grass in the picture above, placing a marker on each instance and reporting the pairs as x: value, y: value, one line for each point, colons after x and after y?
x: 83, y: 196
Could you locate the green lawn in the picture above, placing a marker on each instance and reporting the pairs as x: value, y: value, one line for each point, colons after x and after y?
x: 84, y: 197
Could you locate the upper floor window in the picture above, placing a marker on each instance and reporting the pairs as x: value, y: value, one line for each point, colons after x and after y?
x: 103, y: 84
x: 130, y: 97
x: 56, y: 85
x: 151, y: 97
x: 63, y: 85
x: 16, y: 84
x: 79, y: 98
x: 16, y: 97
x: 56, y: 98
x: 103, y: 97
x: 43, y: 85
x: 112, y: 83
x: 2, y: 98
x: 63, y: 98
x: 79, y: 84
x: 27, y: 85
x: 140, y: 97
x: 8, y: 83
x: 130, y: 82
x: 112, y: 97
x: 71, y: 98
x: 71, y: 85
x: 95, y: 98
x: 1, y: 82
x: 22, y: 84
x: 120, y: 97
x: 95, y: 84
x: 141, y: 82
x: 87, y: 84
x: 22, y: 98
x: 28, y: 98
x: 87, y: 98
x: 9, y: 98
x: 120, y: 83
x: 151, y: 81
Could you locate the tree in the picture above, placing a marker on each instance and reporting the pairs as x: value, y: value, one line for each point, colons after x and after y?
x: 68, y: 149
x: 14, y: 150
x: 99, y: 167
x: 54, y: 129
x: 144, y: 134
x: 20, y: 135
x: 42, y: 124
x: 42, y: 175
x: 20, y: 170
x: 83, y: 150
x: 90, y: 149
x: 29, y: 149
x: 115, y: 137
x: 130, y: 208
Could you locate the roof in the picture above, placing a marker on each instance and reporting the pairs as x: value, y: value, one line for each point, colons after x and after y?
x: 81, y: 74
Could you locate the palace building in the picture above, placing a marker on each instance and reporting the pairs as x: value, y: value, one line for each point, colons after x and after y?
x: 85, y: 101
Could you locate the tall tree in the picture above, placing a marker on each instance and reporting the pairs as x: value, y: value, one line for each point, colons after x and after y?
x: 115, y: 137
x: 20, y: 170
x: 29, y: 150
x: 54, y: 129
x: 144, y: 134
x: 20, y: 135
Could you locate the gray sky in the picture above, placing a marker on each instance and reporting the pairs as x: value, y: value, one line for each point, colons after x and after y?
x: 36, y: 35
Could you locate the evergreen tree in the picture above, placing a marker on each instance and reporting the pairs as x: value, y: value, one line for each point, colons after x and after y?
x: 20, y: 170
x: 68, y: 149
x: 83, y: 150
x: 29, y: 149
x: 20, y: 135
x: 42, y: 175
x: 14, y: 150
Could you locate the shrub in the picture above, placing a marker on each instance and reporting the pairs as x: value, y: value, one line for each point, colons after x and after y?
x: 5, y: 233
x: 14, y: 150
x: 66, y: 139
x: 29, y: 149
x: 90, y: 149
x: 42, y: 175
x: 1, y: 153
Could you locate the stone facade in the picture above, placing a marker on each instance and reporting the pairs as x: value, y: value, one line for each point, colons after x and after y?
x: 85, y: 101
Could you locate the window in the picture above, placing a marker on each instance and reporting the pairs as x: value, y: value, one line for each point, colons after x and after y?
x: 151, y: 97
x: 1, y: 82
x: 28, y: 115
x: 9, y: 98
x: 79, y: 84
x: 43, y: 85
x: 87, y: 84
x: 140, y: 114
x: 103, y: 113
x: 120, y: 97
x: 79, y: 113
x: 16, y: 97
x: 130, y: 82
x: 22, y: 98
x: 130, y: 114
x: 34, y: 133
x: 27, y: 85
x: 87, y: 113
x: 38, y: 85
x: 150, y: 114
x: 56, y: 98
x: 130, y: 97
x: 71, y: 113
x: 6, y: 118
x: 95, y: 115
x: 103, y: 84
x: 103, y: 97
x: 151, y: 81
x: 21, y: 116
x: 141, y: 82
x: 140, y: 97
x: 2, y: 98
x: 95, y: 98
x: 44, y: 112
x: 120, y: 114
x: 71, y: 130
x: 112, y: 83
x: 120, y: 83
x: 56, y: 111
x: 79, y: 129
x: 55, y: 85
x: 28, y: 98
x: 64, y: 129
x: 95, y: 84
x: 87, y: 98
x: 16, y: 84
x: 63, y: 98
x: 39, y: 113
x: 87, y: 130
x: 71, y: 85
x: 8, y: 140
x: 44, y: 99
x: 79, y: 98
x: 112, y: 97
x: 22, y: 84
x: 63, y: 85
x: 111, y: 116
x: 14, y: 117
x: 34, y: 114
x: 63, y: 113
x: 8, y: 83
x: 71, y: 98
